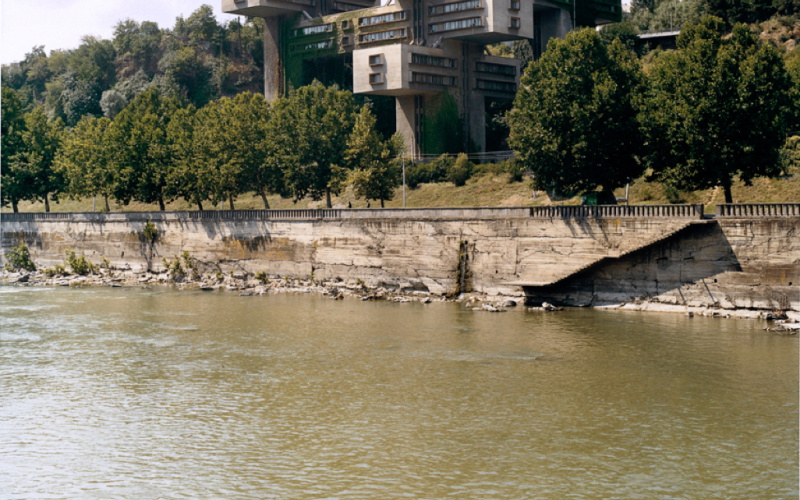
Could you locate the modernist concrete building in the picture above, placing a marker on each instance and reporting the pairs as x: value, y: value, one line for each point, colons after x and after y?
x: 417, y: 51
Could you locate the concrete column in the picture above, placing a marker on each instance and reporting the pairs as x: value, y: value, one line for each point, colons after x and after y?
x: 406, y: 122
x: 273, y: 65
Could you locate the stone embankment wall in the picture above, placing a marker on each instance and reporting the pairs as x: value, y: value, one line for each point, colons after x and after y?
x: 746, y: 257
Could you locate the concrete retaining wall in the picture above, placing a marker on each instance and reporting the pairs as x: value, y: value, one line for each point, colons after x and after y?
x: 577, y: 255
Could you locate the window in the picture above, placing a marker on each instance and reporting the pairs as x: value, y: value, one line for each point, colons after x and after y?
x: 514, y: 5
x: 496, y: 86
x: 514, y: 23
x: 375, y: 78
x: 433, y: 79
x: 375, y: 60
x: 346, y: 40
x: 313, y: 30
x: 382, y: 35
x: 461, y: 24
x: 345, y: 25
x: 446, y: 8
x: 442, y: 62
x: 496, y: 69
x: 384, y: 18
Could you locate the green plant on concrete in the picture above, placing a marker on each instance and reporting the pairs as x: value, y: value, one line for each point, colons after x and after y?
x: 56, y: 270
x: 19, y: 258
x: 174, y: 267
x: 218, y: 275
x: 105, y: 263
x: 80, y: 265
x: 189, y: 264
x: 262, y: 277
x: 150, y: 232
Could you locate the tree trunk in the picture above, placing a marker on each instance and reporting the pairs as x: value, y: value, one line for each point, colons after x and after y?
x: 161, y: 205
x: 328, y: 198
x: 105, y: 199
x: 200, y: 205
x: 230, y: 201
x: 728, y: 194
x: 382, y: 203
x: 15, y: 206
x: 46, y: 203
x: 264, y: 197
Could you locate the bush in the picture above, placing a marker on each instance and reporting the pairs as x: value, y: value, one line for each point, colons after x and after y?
x: 262, y: 277
x: 150, y: 232
x: 461, y: 170
x: 19, y: 258
x: 79, y: 265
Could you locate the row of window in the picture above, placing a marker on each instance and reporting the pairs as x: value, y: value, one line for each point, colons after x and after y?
x: 497, y: 86
x: 442, y: 62
x: 383, y: 18
x: 460, y: 24
x: 313, y: 30
x: 433, y: 79
x: 382, y: 35
x: 495, y: 69
x: 446, y: 8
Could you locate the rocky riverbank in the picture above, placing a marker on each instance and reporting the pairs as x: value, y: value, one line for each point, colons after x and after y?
x: 249, y: 285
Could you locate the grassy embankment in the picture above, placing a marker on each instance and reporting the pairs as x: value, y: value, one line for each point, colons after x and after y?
x: 483, y: 190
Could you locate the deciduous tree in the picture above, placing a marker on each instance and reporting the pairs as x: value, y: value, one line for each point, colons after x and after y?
x: 14, y: 178
x: 84, y: 157
x: 41, y: 140
x: 574, y: 122
x: 375, y: 170
x: 310, y: 128
x: 717, y: 108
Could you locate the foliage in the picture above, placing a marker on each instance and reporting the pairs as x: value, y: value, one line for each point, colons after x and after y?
x: 375, y: 169
x: 79, y: 265
x: 84, y: 159
x: 750, y: 11
x: 19, y: 257
x: 34, y: 161
x: 14, y: 178
x: 574, y: 122
x: 443, y: 128
x: 150, y: 232
x: 669, y: 15
x: 261, y: 276
x: 142, y: 157
x: 460, y: 171
x: 717, y: 108
x: 310, y: 128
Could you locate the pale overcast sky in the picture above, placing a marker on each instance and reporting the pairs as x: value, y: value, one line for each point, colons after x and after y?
x: 60, y: 24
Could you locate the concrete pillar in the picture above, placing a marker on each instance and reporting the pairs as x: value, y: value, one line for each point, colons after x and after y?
x: 406, y: 122
x: 273, y: 65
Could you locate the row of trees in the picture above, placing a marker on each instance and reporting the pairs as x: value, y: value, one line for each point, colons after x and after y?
x: 588, y: 116
x: 311, y: 143
x: 196, y: 61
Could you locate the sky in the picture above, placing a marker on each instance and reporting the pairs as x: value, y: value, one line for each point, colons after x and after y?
x: 60, y: 24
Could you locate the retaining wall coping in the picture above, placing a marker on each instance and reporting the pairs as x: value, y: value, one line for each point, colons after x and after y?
x: 690, y: 211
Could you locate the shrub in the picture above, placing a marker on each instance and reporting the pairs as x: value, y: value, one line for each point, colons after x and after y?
x: 174, y: 267
x: 262, y: 277
x: 461, y: 170
x: 150, y: 232
x: 80, y: 265
x: 19, y: 258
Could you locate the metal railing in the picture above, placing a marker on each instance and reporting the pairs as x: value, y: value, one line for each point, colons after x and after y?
x: 618, y: 211
x: 758, y: 210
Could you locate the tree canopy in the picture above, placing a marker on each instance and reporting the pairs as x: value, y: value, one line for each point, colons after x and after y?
x: 574, y: 122
x: 717, y: 108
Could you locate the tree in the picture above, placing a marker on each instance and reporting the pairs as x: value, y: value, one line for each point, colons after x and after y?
x: 373, y: 161
x: 310, y: 129
x: 84, y: 160
x: 142, y: 155
x: 574, y: 122
x: 14, y: 179
x: 716, y: 108
x: 230, y: 141
x: 187, y: 178
x: 41, y: 140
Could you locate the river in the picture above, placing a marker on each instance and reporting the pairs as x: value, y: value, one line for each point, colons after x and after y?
x: 158, y: 394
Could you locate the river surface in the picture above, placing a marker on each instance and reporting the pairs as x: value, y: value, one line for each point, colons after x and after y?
x: 156, y: 394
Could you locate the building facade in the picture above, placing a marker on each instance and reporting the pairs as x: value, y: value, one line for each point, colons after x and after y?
x: 426, y: 54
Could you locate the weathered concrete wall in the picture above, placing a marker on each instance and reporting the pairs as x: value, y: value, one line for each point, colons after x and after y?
x: 729, y: 262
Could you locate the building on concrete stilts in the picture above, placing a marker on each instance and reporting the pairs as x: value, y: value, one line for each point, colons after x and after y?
x: 429, y: 55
